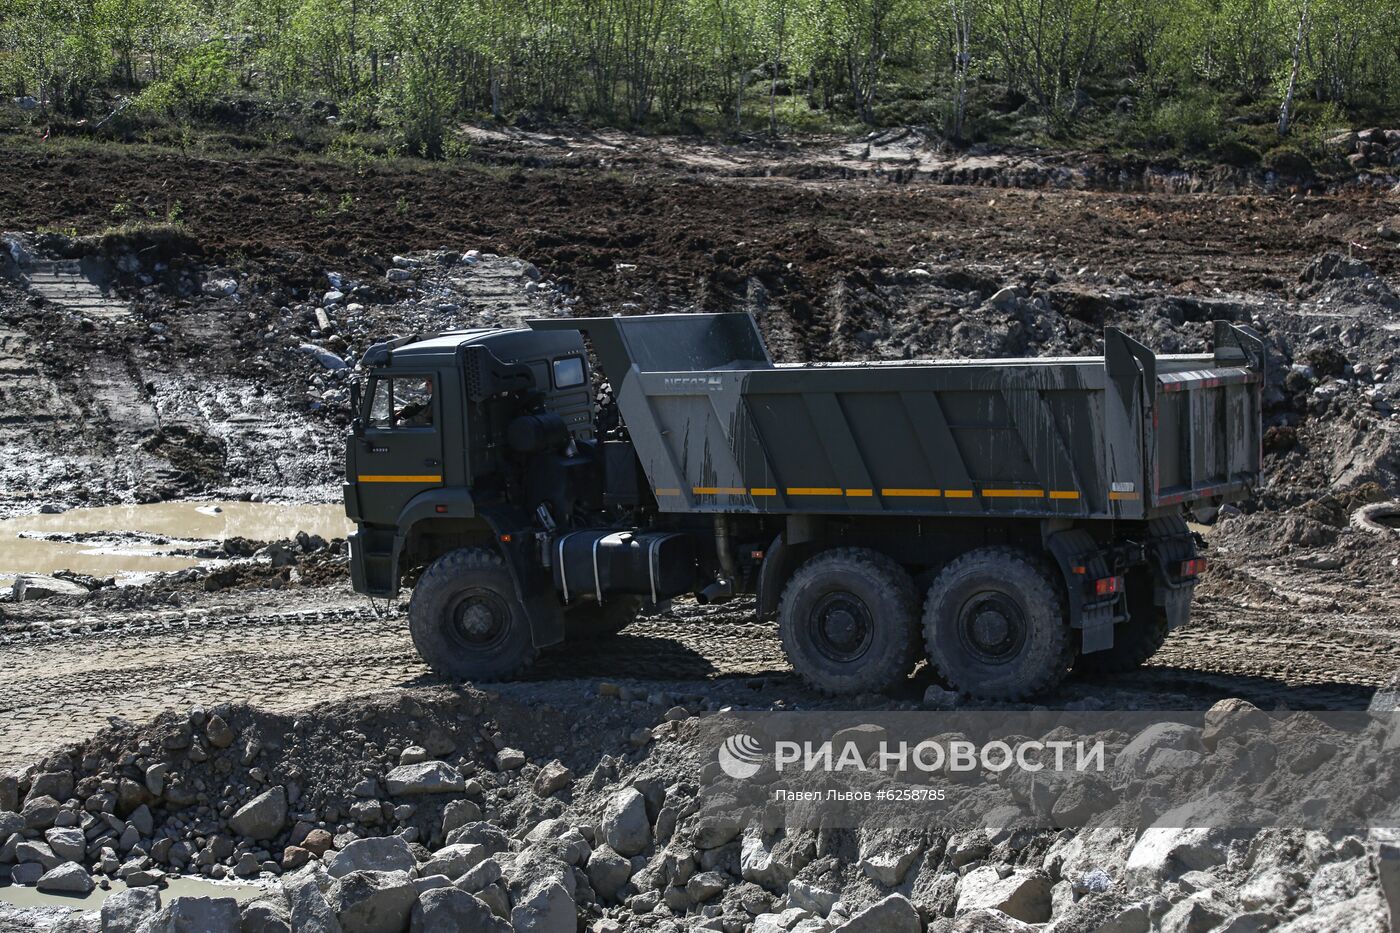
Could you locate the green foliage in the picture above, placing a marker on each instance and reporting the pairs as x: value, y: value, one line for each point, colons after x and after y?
x: 200, y: 80
x: 1238, y: 153
x: 1191, y: 123
x: 1289, y: 161
x: 406, y: 73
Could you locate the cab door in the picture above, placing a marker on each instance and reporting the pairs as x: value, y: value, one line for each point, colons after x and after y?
x: 400, y: 447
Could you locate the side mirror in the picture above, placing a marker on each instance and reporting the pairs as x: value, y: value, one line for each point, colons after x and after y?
x: 357, y: 423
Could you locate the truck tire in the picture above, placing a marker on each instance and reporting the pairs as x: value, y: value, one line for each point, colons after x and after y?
x: 590, y: 621
x: 994, y: 625
x: 1135, y: 640
x: 465, y: 619
x: 847, y: 622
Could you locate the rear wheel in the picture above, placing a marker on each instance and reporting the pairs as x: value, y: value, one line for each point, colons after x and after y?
x: 590, y: 621
x: 847, y: 622
x: 1135, y: 640
x: 466, y: 620
x: 994, y: 625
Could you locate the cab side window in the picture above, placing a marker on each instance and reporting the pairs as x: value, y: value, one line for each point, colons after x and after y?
x: 403, y: 402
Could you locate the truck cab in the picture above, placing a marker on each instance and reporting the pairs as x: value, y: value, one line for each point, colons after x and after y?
x: 428, y: 436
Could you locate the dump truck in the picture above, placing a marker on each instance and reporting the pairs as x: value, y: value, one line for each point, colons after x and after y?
x: 1011, y: 520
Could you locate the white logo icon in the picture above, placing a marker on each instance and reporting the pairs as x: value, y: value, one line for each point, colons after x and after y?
x: 740, y: 756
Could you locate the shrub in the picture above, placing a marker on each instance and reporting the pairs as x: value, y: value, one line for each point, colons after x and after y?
x: 194, y: 87
x: 1238, y: 153
x: 1288, y: 160
x: 1189, y: 122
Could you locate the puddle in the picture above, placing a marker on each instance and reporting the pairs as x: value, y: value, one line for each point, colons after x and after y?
x: 180, y: 886
x: 127, y: 540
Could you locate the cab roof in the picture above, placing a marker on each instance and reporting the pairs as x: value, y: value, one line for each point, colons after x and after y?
x: 509, y: 345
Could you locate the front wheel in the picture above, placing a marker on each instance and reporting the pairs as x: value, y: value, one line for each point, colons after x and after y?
x: 465, y: 619
x: 847, y: 622
x: 994, y: 625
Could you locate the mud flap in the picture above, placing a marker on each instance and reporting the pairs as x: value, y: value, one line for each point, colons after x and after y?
x: 1178, y: 606
x: 1077, y: 549
x: 533, y: 585
x: 1097, y: 628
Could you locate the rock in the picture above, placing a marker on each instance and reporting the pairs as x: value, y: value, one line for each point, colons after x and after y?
x: 625, y: 825
x: 454, y: 861
x: 1199, y: 913
x: 607, y: 872
x: 69, y: 878
x: 197, y: 915
x: 424, y: 777
x: 774, y: 863
x: 32, y: 586
x: 450, y: 910
x: 1024, y: 895
x: 936, y: 697
x: 1387, y: 862
x: 508, y: 759
x: 1163, y: 852
x: 310, y: 911
x: 887, y: 860
x: 294, y: 857
x: 219, y: 733
x: 263, y: 817
x: 220, y: 288
x: 125, y: 911
x: 549, y: 909
x: 38, y: 853
x: 28, y: 873
x: 67, y: 844
x: 1160, y: 747
x: 810, y: 897
x: 1237, y: 719
x: 552, y: 778
x: 372, y: 901
x: 323, y: 356
x: 486, y: 873
x: 480, y: 833
x: 143, y: 821
x: 265, y: 915
x: 1007, y: 298
x: 39, y: 812
x: 10, y: 823
x: 398, y: 275
x: 894, y: 914
x: 1364, y: 913
x: 377, y: 854
x: 155, y: 778
x: 459, y: 813
x: 413, y: 755
x: 700, y: 888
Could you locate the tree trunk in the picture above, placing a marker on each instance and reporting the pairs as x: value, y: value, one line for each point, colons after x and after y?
x: 1285, y: 110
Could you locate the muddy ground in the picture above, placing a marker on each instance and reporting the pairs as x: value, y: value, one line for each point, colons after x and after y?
x: 207, y: 359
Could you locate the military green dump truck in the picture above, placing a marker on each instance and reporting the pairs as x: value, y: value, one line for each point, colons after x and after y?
x: 1011, y: 520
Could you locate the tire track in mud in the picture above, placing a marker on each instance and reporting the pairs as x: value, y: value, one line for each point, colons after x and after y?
x: 62, y: 678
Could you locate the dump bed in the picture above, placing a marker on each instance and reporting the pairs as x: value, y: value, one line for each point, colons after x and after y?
x: 719, y: 427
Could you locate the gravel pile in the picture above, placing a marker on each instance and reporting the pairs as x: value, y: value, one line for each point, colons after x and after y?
x: 462, y: 810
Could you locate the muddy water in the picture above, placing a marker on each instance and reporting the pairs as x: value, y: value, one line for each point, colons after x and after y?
x: 177, y: 887
x: 138, y: 539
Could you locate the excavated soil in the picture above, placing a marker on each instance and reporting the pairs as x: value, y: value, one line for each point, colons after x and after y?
x: 209, y: 361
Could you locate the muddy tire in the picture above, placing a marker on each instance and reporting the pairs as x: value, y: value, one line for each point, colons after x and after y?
x: 466, y: 620
x: 995, y: 626
x: 847, y: 622
x: 1135, y: 640
x: 590, y: 622
x: 1371, y: 518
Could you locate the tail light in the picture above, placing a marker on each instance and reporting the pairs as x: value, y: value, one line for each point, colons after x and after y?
x: 1193, y: 567
x: 1108, y: 586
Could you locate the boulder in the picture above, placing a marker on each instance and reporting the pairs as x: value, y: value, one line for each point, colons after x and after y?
x: 1164, y: 852
x: 459, y: 813
x: 1024, y: 894
x: 1162, y: 746
x: 480, y: 833
x: 508, y: 759
x: 32, y: 586
x: 377, y: 854
x: 424, y: 777
x: 263, y: 817
x: 486, y: 873
x: 1199, y: 913
x: 197, y: 915
x: 219, y: 733
x: 894, y: 914
x: 37, y: 852
x: 549, y: 908
x: 552, y: 778
x: 310, y: 911
x: 126, y: 911
x: 68, y: 844
x: 811, y: 897
x: 454, y: 861
x: 68, y: 878
x: 372, y: 901
x: 1237, y: 719
x: 265, y: 915
x: 450, y: 910
x: 625, y: 825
